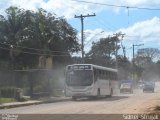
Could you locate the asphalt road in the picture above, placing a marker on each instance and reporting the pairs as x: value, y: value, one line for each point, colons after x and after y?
x: 138, y: 102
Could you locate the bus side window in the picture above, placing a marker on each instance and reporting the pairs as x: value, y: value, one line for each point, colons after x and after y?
x: 110, y: 76
x: 116, y: 76
x: 107, y: 77
x: 100, y: 74
x: 95, y: 74
x: 104, y: 75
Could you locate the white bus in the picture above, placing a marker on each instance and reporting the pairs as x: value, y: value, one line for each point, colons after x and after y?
x: 88, y: 80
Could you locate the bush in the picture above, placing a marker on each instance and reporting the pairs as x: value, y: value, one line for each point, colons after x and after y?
x: 7, y: 92
x: 157, y: 108
x: 6, y: 100
x: 13, y: 92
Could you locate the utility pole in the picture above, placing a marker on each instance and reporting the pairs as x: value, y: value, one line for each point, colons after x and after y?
x: 118, y: 34
x: 133, y: 64
x: 124, y: 52
x: 82, y: 38
x: 133, y: 50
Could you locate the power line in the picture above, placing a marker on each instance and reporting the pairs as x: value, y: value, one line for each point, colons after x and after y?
x: 91, y: 39
x: 120, y: 6
x: 97, y: 23
x: 33, y: 52
x: 82, y: 18
x: 143, y: 36
x: 116, y: 52
x: 33, y: 48
x: 96, y: 19
x: 103, y: 24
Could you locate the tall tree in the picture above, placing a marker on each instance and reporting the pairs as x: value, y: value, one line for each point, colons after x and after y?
x: 23, y: 29
x: 103, y: 51
x: 145, y: 62
x: 147, y: 56
x: 9, y: 31
x: 124, y: 66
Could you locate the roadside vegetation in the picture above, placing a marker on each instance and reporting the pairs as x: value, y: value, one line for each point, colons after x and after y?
x: 6, y: 100
x: 157, y: 108
x: 36, y: 46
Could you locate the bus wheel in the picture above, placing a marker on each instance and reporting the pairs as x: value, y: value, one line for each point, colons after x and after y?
x: 98, y: 93
x: 74, y: 98
x: 111, y: 93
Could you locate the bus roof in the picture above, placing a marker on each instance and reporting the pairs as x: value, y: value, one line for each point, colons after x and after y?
x: 97, y: 67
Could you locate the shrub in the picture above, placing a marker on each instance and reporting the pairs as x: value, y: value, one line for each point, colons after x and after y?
x: 7, y: 92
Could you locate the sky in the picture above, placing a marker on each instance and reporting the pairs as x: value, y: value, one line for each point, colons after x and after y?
x: 140, y: 26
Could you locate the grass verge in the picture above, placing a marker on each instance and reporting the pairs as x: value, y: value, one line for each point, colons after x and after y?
x: 6, y: 100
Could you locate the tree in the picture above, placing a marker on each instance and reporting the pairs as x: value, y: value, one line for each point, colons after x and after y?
x: 158, y: 69
x: 9, y: 31
x: 145, y: 62
x: 147, y: 56
x: 43, y: 31
x: 103, y: 51
x: 124, y: 66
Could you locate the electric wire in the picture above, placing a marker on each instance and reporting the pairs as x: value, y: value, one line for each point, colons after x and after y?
x: 33, y: 48
x: 120, y: 6
x: 33, y: 53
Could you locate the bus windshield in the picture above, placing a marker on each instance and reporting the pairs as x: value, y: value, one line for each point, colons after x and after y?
x: 79, y: 78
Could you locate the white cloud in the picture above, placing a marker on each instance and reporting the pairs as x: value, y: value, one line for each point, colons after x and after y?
x: 69, y: 8
x: 93, y: 36
x: 144, y: 31
x: 142, y: 3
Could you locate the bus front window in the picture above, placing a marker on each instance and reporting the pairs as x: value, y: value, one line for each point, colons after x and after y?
x: 79, y: 78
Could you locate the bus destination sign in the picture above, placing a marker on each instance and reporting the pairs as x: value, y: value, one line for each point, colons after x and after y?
x: 81, y: 67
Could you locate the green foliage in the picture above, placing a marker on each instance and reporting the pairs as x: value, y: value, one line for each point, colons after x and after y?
x: 103, y: 52
x: 145, y: 65
x: 147, y: 56
x: 40, y: 30
x: 7, y: 92
x: 6, y: 100
x: 125, y: 67
x: 157, y: 108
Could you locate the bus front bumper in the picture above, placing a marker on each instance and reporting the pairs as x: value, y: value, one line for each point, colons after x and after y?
x: 79, y: 93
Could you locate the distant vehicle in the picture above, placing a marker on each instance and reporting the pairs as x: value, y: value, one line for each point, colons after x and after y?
x: 140, y: 84
x: 126, y: 86
x: 88, y: 80
x: 148, y: 86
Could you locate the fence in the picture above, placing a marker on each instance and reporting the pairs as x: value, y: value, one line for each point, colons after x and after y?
x: 34, y: 82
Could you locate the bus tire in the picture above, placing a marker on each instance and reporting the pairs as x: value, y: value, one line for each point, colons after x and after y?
x: 111, y: 93
x: 98, y: 92
x: 131, y: 91
x: 74, y: 98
